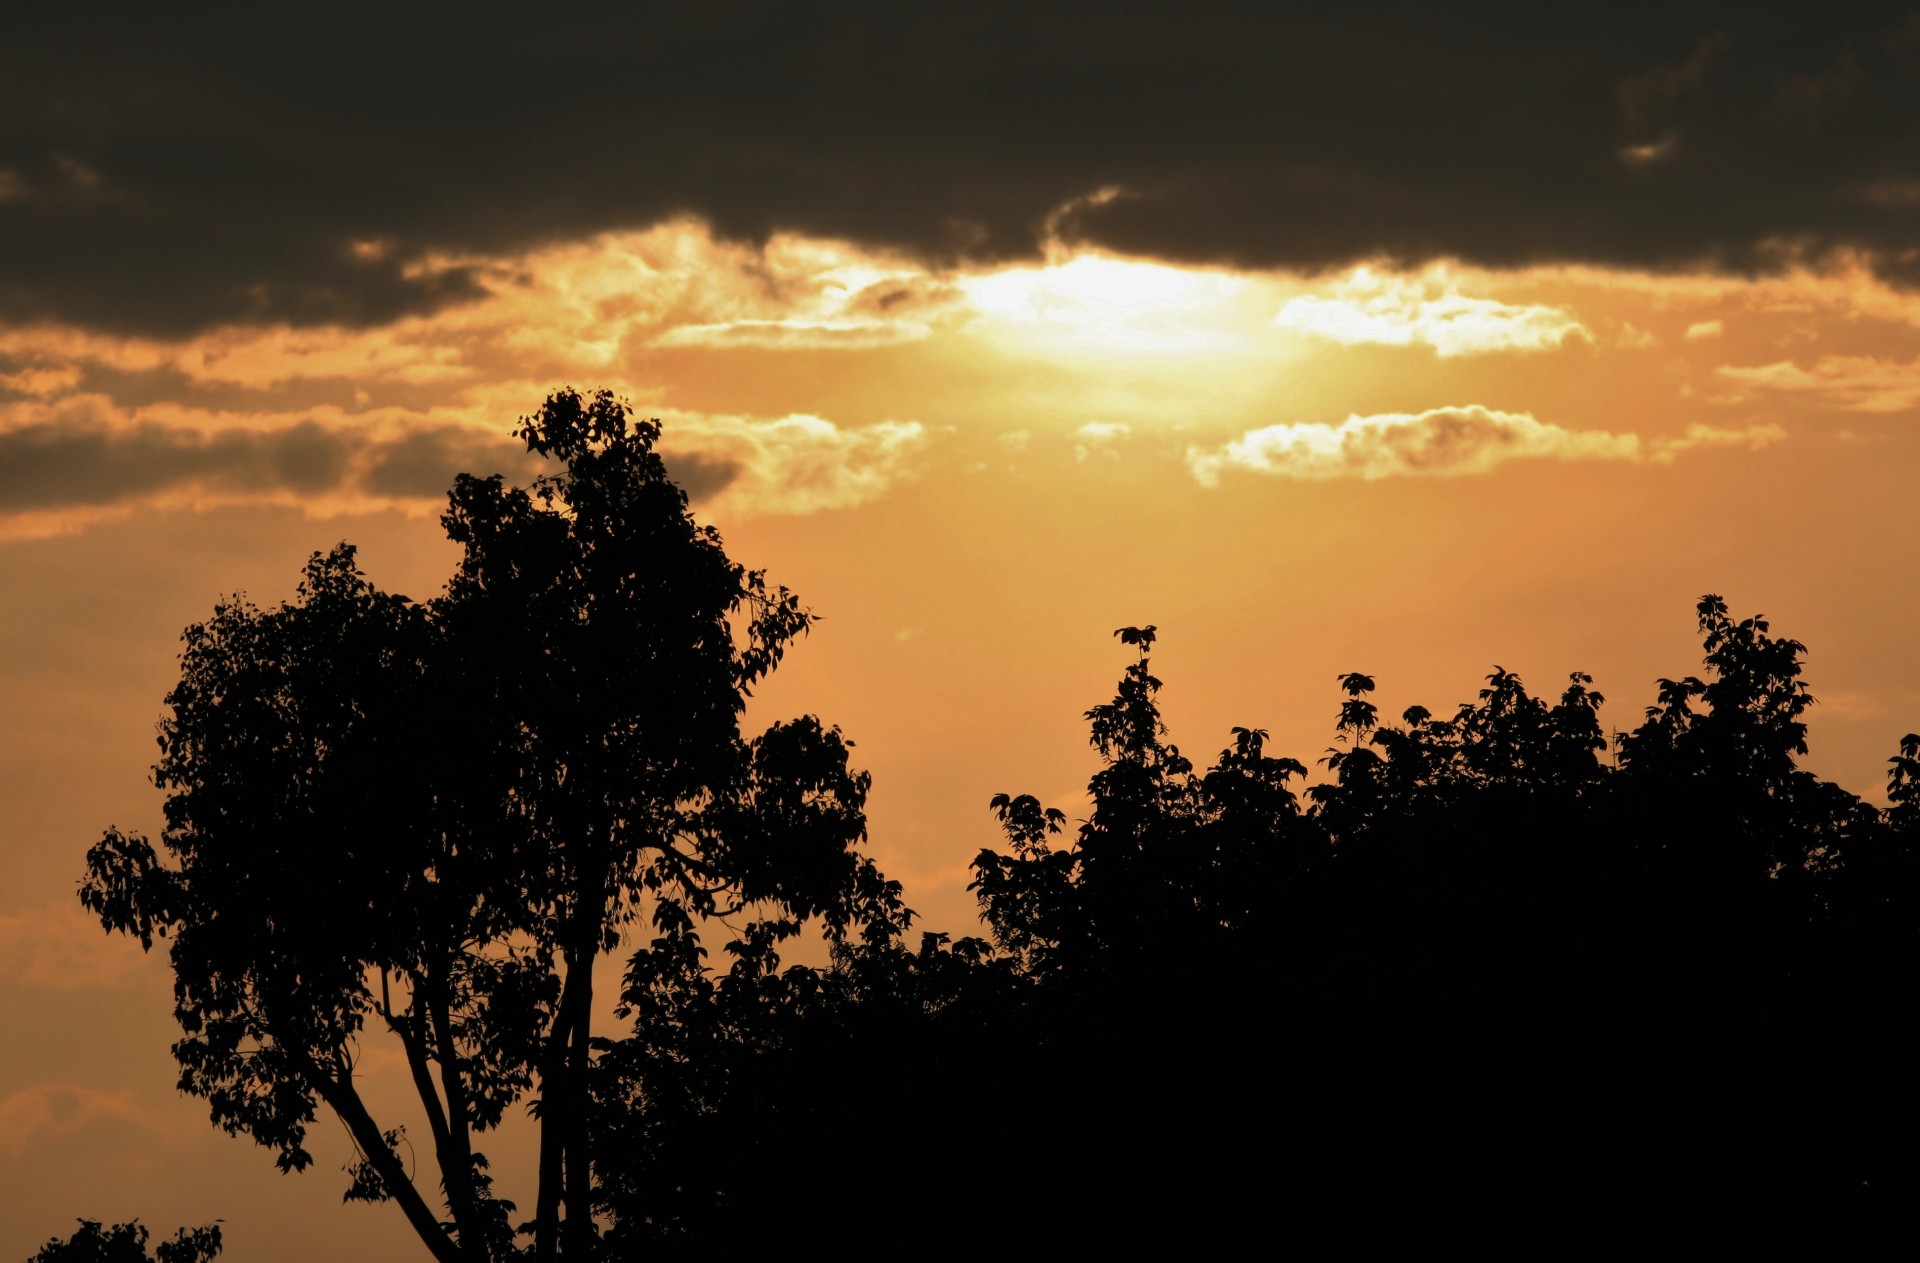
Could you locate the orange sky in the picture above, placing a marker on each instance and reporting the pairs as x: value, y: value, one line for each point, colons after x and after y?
x: 974, y: 474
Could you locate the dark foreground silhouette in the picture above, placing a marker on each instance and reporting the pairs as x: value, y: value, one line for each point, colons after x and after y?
x: 127, y: 1243
x: 1489, y: 985
x: 1484, y: 989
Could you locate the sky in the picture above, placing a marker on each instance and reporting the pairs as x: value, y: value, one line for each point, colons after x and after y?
x: 1408, y: 339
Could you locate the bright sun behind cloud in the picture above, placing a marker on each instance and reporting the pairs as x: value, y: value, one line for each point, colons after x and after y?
x: 1101, y: 303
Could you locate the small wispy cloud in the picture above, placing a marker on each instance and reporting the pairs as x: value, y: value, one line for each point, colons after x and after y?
x: 799, y: 463
x: 1856, y: 383
x: 1100, y: 438
x: 1441, y: 443
x: 793, y: 335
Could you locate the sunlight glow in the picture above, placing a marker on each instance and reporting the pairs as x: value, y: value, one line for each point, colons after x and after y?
x: 1100, y: 302
x: 764, y: 356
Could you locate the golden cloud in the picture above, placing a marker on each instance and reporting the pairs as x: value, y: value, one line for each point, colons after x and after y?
x: 1100, y: 437
x: 222, y: 415
x: 595, y: 308
x: 1439, y: 443
x: 1856, y: 383
x: 556, y: 311
x: 1427, y: 309
x: 796, y: 464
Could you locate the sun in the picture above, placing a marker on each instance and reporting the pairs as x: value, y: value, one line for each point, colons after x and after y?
x: 1105, y: 303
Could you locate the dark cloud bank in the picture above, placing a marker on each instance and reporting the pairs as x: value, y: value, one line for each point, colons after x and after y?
x: 175, y: 167
x: 66, y: 464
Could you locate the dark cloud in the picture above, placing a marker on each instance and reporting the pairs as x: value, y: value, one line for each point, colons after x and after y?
x: 170, y: 168
x: 701, y: 475
x: 422, y: 464
x: 82, y: 461
x: 63, y: 464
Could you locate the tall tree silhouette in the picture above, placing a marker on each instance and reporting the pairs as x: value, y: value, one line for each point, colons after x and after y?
x: 433, y: 818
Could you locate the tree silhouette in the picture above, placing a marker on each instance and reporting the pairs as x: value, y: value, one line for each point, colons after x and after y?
x: 127, y: 1243
x: 1475, y: 984
x: 434, y: 817
x: 1523, y: 987
x: 1479, y: 985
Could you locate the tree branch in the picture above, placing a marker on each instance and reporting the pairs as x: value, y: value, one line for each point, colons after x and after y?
x: 345, y: 1102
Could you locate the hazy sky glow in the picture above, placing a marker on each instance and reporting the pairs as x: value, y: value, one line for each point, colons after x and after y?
x: 1307, y: 408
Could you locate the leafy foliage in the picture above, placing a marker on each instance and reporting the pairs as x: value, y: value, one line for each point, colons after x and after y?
x: 1475, y: 919
x: 1450, y: 989
x: 433, y: 818
x: 127, y: 1243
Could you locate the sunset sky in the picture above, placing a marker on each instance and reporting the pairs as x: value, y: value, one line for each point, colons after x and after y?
x: 1405, y: 339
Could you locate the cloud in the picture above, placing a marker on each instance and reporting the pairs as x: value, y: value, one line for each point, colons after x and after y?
x: 60, y: 948
x: 795, y: 464
x: 781, y: 335
x: 1697, y: 437
x: 1651, y: 98
x: 1703, y: 329
x: 420, y: 464
x: 546, y: 313
x: 1100, y: 437
x: 42, y: 381
x: 1649, y: 152
x: 163, y: 177
x: 44, y: 466
x: 49, y: 1110
x: 84, y: 453
x: 1427, y: 310
x: 1439, y: 443
x: 266, y: 357
x: 1856, y: 383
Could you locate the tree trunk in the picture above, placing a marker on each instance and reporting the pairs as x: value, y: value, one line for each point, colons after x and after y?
x: 393, y: 1175
x: 565, y: 1167
x: 577, y: 1236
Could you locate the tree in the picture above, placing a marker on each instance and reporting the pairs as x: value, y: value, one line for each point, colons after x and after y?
x: 1507, y: 984
x: 127, y: 1243
x: 434, y: 817
x: 1165, y: 856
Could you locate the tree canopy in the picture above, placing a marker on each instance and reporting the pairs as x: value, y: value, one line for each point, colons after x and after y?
x: 1486, y: 979
x: 127, y: 1243
x: 432, y: 817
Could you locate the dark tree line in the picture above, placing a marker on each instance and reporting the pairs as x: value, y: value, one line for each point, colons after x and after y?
x: 1494, y: 982
x: 1488, y: 980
